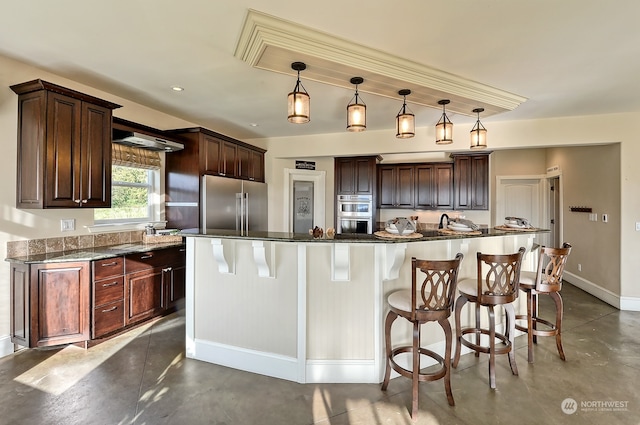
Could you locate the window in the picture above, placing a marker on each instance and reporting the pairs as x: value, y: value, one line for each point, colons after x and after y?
x: 132, y: 193
x: 135, y: 177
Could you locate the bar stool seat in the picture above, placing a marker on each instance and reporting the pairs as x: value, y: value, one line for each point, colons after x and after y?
x: 428, y: 301
x: 498, y: 286
x: 546, y: 280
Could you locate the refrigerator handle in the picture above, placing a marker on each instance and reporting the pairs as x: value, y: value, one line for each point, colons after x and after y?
x: 239, y: 212
x: 246, y: 210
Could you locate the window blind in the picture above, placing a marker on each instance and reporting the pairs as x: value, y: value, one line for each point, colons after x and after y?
x: 128, y: 156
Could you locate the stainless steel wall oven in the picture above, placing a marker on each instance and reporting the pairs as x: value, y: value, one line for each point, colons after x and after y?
x: 354, y: 214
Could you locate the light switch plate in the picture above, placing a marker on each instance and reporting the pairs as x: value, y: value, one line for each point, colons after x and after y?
x: 605, y: 218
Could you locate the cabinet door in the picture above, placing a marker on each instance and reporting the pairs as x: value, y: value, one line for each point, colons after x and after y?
x: 404, y: 186
x: 345, y: 176
x: 95, y: 157
x: 443, y: 186
x: 59, y: 303
x: 386, y: 186
x: 256, y: 165
x: 63, y: 146
x: 144, y: 297
x: 471, y: 182
x: 365, y: 175
x: 243, y: 159
x: 396, y: 186
x: 175, y: 279
x: 211, y: 155
x: 229, y: 164
x: 20, y: 316
x: 480, y: 182
x: 424, y: 186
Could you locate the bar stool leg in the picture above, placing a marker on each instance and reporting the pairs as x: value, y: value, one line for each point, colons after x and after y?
x: 511, y: 314
x: 492, y: 347
x: 530, y: 297
x: 415, y: 378
x: 446, y: 326
x: 391, y: 317
x: 460, y: 302
x: 557, y: 298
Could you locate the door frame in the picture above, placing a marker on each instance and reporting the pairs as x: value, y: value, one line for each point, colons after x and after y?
x: 318, y: 177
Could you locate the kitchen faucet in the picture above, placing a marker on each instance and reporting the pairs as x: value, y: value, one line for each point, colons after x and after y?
x: 440, y: 226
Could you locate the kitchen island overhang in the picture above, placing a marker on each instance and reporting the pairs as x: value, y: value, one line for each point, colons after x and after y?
x: 311, y: 310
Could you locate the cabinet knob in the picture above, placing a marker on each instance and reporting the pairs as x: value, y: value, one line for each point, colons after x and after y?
x: 168, y: 269
x: 84, y: 201
x: 77, y: 201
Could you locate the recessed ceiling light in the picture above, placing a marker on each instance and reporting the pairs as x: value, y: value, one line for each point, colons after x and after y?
x: 253, y: 124
x: 177, y: 88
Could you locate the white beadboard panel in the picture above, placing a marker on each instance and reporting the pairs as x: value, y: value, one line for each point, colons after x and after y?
x: 341, y: 322
x: 243, y: 309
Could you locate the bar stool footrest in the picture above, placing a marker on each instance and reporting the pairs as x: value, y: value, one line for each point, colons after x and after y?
x: 423, y: 377
x: 551, y: 330
x: 482, y: 348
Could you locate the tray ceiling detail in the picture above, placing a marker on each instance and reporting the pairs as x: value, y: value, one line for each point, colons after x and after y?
x: 270, y: 43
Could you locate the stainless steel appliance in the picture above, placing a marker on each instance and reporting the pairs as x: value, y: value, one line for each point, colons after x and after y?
x: 354, y: 214
x: 233, y: 204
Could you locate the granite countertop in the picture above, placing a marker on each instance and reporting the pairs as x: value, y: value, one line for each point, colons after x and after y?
x: 91, y: 254
x: 428, y: 235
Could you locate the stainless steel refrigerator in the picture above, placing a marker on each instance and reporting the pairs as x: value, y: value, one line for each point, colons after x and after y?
x: 233, y: 204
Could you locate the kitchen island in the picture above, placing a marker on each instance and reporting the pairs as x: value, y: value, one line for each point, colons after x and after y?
x: 312, y: 310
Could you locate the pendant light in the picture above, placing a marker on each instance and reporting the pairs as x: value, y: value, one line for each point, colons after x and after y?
x: 478, y: 133
x: 356, y: 110
x: 298, y: 99
x: 405, y: 121
x: 444, y: 127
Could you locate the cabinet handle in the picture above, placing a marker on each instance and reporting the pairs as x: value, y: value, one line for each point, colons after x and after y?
x: 182, y: 249
x: 109, y: 264
x: 146, y: 257
x: 110, y: 309
x: 106, y: 285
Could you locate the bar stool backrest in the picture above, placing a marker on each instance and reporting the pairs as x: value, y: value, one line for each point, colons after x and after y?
x: 436, y: 293
x: 551, y: 264
x: 501, y: 281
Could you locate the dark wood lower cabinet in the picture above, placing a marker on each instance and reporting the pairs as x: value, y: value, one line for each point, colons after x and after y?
x: 73, y: 302
x: 50, y: 303
x: 144, y: 295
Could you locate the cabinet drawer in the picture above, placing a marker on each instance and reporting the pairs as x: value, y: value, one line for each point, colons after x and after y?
x: 108, y: 290
x: 151, y: 259
x: 108, y: 318
x: 108, y: 267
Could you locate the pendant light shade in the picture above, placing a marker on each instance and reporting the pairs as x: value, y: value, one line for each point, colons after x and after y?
x: 478, y: 133
x: 298, y: 99
x: 444, y: 127
x: 356, y: 110
x: 405, y: 121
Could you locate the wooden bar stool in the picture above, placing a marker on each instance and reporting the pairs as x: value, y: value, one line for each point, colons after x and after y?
x: 428, y: 301
x: 547, y: 280
x: 498, y: 286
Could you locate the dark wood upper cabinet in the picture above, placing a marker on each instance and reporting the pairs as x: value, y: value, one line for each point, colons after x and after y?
x: 64, y: 147
x: 355, y: 175
x: 471, y: 181
x: 396, y: 186
x: 205, y: 153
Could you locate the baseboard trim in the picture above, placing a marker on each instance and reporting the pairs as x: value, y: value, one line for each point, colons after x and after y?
x: 593, y: 289
x: 6, y: 346
x: 268, y: 364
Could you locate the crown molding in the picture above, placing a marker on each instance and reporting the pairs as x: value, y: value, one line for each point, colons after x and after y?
x: 267, y: 42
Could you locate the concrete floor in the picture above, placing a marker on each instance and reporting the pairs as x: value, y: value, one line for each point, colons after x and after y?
x: 143, y: 378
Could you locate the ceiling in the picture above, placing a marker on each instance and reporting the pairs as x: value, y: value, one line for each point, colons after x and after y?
x: 566, y: 58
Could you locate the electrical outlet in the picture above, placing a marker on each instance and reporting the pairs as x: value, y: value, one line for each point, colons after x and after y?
x: 68, y: 225
x: 637, y: 226
x: 579, y: 267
